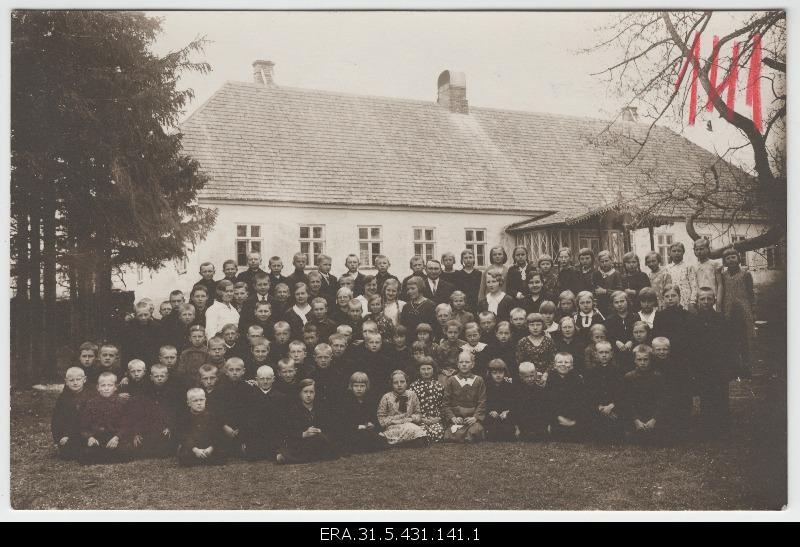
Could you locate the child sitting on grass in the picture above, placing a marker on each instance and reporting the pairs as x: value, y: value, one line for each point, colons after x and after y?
x: 531, y: 412
x: 399, y: 414
x: 200, y: 438
x: 103, y: 425
x: 500, y: 401
x: 567, y: 398
x: 431, y: 398
x: 65, y: 424
x: 465, y: 403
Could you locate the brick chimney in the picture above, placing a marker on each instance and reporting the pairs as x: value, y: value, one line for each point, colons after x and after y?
x: 629, y: 114
x: 453, y: 91
x: 262, y: 73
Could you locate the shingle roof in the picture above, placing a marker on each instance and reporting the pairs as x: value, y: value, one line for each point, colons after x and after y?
x: 298, y: 145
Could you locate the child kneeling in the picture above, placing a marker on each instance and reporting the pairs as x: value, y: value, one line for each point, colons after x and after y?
x: 465, y: 403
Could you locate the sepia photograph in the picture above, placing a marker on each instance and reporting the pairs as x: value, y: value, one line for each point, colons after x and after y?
x: 508, y: 260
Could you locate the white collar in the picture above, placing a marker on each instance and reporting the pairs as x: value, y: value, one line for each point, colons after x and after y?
x: 465, y: 381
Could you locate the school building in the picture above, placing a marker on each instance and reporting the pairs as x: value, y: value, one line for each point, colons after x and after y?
x: 323, y: 172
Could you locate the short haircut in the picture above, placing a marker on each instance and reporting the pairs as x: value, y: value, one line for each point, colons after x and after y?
x: 400, y: 330
x: 159, y: 366
x: 594, y: 329
x: 285, y: 362
x: 502, y: 324
x: 240, y: 285
x: 344, y: 291
x: 204, y: 264
x: 603, y: 343
x: 107, y: 375
x: 322, y: 347
x: 255, y: 329
x: 672, y: 287
x: 309, y: 328
x: 369, y: 322
x: 472, y: 325
x: 75, y: 370
x: 297, y: 344
x: 284, y: 285
x: 585, y: 251
x: 707, y: 290
x: 304, y: 383
x: 233, y: 361
x: 358, y: 378
x: 261, y: 342
x: 444, y: 306
x: 498, y: 364
x: 322, y: 257
x: 197, y: 328
x: 486, y: 315
x: 89, y: 346
x: 215, y: 340
x: 198, y: 288
x: 167, y: 347
x: 526, y: 367
x: 136, y: 362
x: 456, y: 294
x: 313, y: 274
x: 453, y: 323
x: 660, y: 340
x: 110, y: 346
x: 648, y: 294
x: 263, y: 369
x: 677, y: 245
x: 373, y: 336
x: 194, y: 393
x: 565, y: 319
x: 533, y: 275
x: 567, y: 295
x: 229, y: 261
x: 337, y: 336
x: 419, y: 346
x: 547, y: 307
x: 208, y: 367
x: 424, y: 327
x: 185, y: 307
x: 142, y: 306
x: 260, y: 276
x: 415, y: 258
x: 585, y: 294
x: 355, y: 303
x: 275, y: 258
x: 564, y: 354
x: 563, y: 250
x: 281, y: 325
x: 534, y: 318
x: 655, y: 254
x: 467, y: 352
x: 517, y: 311
x: 643, y: 324
x: 262, y: 303
x: 544, y: 258
x: 643, y: 349
x: 605, y: 253
x: 615, y: 294
x: 229, y: 326
x: 176, y: 292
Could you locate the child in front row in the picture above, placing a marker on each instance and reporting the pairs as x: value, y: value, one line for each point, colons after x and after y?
x: 500, y: 401
x: 65, y: 424
x: 531, y: 412
x: 604, y: 390
x: 399, y: 414
x: 431, y: 398
x: 359, y: 428
x: 567, y: 397
x: 104, y: 433
x: 465, y: 403
x: 643, y: 397
x: 200, y: 439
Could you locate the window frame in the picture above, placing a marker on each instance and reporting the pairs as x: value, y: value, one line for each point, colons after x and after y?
x: 311, y: 256
x: 369, y: 264
x: 248, y: 239
x: 474, y: 244
x: 424, y: 242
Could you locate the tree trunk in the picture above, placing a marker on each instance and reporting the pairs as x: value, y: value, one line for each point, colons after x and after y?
x: 52, y: 319
x: 22, y: 360
x: 36, y: 322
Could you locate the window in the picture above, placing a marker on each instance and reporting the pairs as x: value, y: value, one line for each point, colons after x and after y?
x: 425, y: 243
x: 589, y: 241
x: 369, y: 244
x: 476, y: 242
x: 181, y: 265
x: 742, y: 254
x: 248, y: 240
x: 663, y: 241
x: 312, y: 243
x: 772, y: 254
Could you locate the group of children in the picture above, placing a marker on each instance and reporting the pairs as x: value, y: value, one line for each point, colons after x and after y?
x: 310, y: 367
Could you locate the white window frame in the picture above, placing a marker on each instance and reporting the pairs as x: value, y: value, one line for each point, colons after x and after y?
x: 249, y: 239
x: 370, y: 242
x: 663, y: 248
x: 424, y: 243
x: 311, y: 256
x: 481, y: 260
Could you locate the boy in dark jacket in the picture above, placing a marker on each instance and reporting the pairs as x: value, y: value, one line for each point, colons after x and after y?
x: 567, y: 398
x: 66, y: 424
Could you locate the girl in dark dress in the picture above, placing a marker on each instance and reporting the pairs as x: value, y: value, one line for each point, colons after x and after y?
x: 418, y: 309
x: 468, y: 280
x: 359, y: 418
x: 308, y: 429
x: 633, y: 279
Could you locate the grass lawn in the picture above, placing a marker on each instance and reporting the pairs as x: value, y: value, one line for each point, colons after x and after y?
x: 746, y: 472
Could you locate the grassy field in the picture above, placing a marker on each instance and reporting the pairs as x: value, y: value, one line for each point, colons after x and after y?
x: 747, y: 471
